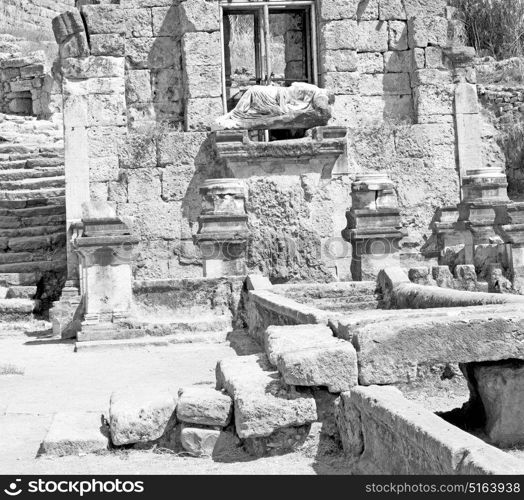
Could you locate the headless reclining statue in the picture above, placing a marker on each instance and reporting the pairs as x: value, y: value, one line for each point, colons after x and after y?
x: 300, y: 106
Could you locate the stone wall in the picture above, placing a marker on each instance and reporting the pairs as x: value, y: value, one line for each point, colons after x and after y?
x: 384, y: 433
x: 145, y: 107
x: 33, y: 15
x: 506, y: 106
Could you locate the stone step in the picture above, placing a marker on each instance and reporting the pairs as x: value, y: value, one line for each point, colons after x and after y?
x: 17, y: 309
x: 346, y: 304
x: 43, y: 162
x: 31, y: 267
x: 11, y: 222
x: 211, y: 328
x: 11, y: 258
x: 21, y: 292
x: 17, y: 149
x: 56, y: 228
x: 18, y: 279
x: 33, y: 243
x: 31, y: 202
x: 264, y: 403
x: 97, y: 345
x: 13, y: 164
x: 310, y: 356
x: 75, y: 434
x: 20, y: 174
x: 37, y: 211
x: 34, y: 194
x: 33, y: 183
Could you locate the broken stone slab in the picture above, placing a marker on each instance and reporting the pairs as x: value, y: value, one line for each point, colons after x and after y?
x: 258, y: 282
x: 333, y: 366
x: 281, y: 339
x: 75, y: 433
x: 500, y: 388
x: 140, y: 414
x: 393, y: 350
x: 263, y: 403
x: 206, y: 442
x: 204, y: 406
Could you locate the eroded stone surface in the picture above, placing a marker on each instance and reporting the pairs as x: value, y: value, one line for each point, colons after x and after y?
x: 204, y: 406
x: 500, y: 387
x: 76, y: 433
x: 140, y: 414
x: 263, y: 402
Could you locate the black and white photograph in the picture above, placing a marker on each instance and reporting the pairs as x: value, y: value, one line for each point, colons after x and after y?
x: 261, y: 238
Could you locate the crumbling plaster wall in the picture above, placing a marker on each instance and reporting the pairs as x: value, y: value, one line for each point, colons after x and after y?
x: 143, y: 93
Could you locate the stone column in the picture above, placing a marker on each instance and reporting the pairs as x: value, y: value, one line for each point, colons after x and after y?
x: 223, y: 234
x: 513, y: 236
x: 374, y: 227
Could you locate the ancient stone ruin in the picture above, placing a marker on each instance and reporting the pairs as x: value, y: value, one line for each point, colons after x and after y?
x: 324, y: 183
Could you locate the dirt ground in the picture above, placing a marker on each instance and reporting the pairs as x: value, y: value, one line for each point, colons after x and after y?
x: 41, y: 375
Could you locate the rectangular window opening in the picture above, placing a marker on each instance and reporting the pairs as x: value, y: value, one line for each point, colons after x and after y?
x: 267, y: 43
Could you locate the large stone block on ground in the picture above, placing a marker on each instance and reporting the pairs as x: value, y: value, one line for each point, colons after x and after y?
x: 333, y: 366
x: 387, y: 434
x: 206, y: 442
x: 204, y: 406
x: 140, y: 414
x: 281, y: 339
x: 501, y: 390
x: 393, y: 350
x: 75, y: 433
x: 263, y: 402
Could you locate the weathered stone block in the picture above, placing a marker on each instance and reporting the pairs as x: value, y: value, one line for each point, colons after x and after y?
x: 140, y: 414
x: 103, y: 169
x: 372, y: 36
x: 466, y: 100
x: 201, y: 113
x: 433, y: 77
x: 345, y: 111
x: 203, y: 81
x: 392, y: 9
x: 206, y: 442
x: 204, y: 406
x: 338, y: 60
x: 501, y: 391
x: 398, y: 62
x: 371, y: 62
x: 143, y: 185
x: 166, y: 85
x: 165, y: 21
x: 75, y: 434
x: 67, y: 24
x: 339, y: 35
x: 110, y: 44
x: 333, y: 366
x: 393, y: 351
x: 341, y: 82
x: 199, y: 16
x: 435, y: 58
x: 138, y: 23
x: 103, y: 19
x: 432, y: 100
x: 425, y: 8
x: 138, y: 86
x: 263, y: 403
x: 93, y: 67
x: 137, y: 151
x: 333, y: 10
x: 75, y: 46
x: 106, y: 110
x: 153, y: 220
x: 178, y: 148
x: 398, y: 35
x: 201, y: 49
x: 138, y: 51
x: 103, y: 141
x: 176, y: 180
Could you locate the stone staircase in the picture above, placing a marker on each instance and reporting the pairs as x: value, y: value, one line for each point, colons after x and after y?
x: 32, y: 210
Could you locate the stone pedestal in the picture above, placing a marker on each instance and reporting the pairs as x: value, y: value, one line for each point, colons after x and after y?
x: 374, y: 227
x: 223, y: 234
x: 484, y: 203
x: 106, y: 253
x: 513, y: 236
